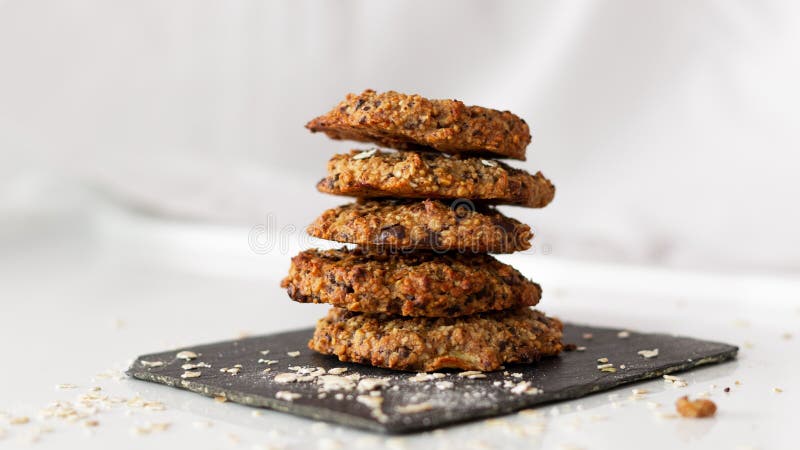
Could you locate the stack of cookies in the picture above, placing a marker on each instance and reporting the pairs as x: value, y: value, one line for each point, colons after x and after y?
x: 419, y: 291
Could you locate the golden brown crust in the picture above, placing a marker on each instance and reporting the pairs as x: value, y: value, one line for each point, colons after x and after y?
x: 415, y: 284
x: 374, y: 173
x: 409, y: 122
x: 477, y: 342
x: 423, y: 225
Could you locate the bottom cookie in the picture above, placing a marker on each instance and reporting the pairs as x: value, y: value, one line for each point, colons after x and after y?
x: 478, y: 342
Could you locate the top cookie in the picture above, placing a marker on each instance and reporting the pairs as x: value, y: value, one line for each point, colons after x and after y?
x: 411, y: 122
x: 373, y: 173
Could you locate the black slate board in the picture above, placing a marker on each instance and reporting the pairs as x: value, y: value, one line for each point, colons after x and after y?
x: 573, y: 374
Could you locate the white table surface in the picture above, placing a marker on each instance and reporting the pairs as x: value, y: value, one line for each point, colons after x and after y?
x: 83, y: 293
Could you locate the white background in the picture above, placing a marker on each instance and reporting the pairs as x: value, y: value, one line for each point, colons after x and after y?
x: 669, y: 127
x: 141, y: 141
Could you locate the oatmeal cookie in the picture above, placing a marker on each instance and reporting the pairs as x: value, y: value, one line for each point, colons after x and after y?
x: 411, y: 122
x: 477, y: 342
x: 415, y: 284
x: 427, y: 224
x: 373, y: 173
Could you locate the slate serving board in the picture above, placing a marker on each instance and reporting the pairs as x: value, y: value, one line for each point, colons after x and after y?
x: 573, y: 374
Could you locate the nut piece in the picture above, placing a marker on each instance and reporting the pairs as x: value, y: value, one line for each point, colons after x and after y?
x: 695, y: 408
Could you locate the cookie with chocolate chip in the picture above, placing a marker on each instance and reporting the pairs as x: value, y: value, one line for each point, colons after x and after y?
x: 421, y: 283
x: 411, y: 122
x: 374, y: 173
x: 405, y: 225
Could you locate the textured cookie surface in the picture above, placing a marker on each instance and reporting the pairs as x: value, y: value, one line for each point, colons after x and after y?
x: 423, y: 225
x: 416, y: 284
x: 409, y: 122
x: 373, y: 173
x: 477, y: 342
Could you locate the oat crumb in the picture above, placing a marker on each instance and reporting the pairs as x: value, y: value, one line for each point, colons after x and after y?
x: 648, y: 353
x: 19, y: 420
x: 414, y: 408
x: 472, y: 374
x: 442, y: 385
x: 151, y: 363
x: 186, y: 354
x: 191, y: 366
x: 285, y: 377
x: 287, y: 395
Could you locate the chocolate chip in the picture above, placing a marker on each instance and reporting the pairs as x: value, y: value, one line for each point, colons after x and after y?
x: 506, y: 225
x: 396, y: 232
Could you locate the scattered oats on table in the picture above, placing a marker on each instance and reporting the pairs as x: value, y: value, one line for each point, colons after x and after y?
x: 648, y: 353
x: 472, y: 374
x: 285, y: 377
x: 186, y: 354
x: 414, y: 408
x: 200, y: 365
x: 152, y: 363
x: 442, y: 385
x: 287, y: 395
x: 19, y: 420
